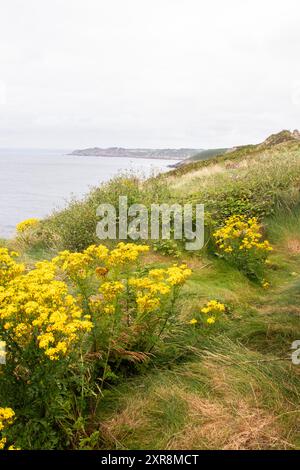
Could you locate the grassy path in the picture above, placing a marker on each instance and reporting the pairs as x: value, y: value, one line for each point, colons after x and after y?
x: 234, y: 388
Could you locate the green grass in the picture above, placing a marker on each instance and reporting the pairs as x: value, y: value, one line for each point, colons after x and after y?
x: 207, y: 154
x: 228, y: 397
x: 233, y: 386
x: 252, y: 180
x: 256, y: 184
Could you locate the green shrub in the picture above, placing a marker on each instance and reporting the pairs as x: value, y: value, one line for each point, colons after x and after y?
x: 74, y: 228
x: 239, y: 242
x: 70, y: 325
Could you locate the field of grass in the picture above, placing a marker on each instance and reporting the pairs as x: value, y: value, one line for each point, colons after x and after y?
x: 232, y: 385
x: 234, y: 389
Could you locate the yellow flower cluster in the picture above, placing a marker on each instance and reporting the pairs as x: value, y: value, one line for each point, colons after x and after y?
x: 111, y: 289
x: 177, y: 275
x: 78, y: 265
x: 213, y: 309
x: 213, y: 305
x: 265, y: 284
x: 9, y: 269
x: 48, y: 313
x: 35, y: 307
x: 21, y: 227
x: 147, y: 291
x: 126, y: 253
x: 242, y: 233
x: 147, y: 303
x: 107, y: 265
x: 146, y: 283
x: 6, y: 418
x: 158, y: 283
x: 82, y: 265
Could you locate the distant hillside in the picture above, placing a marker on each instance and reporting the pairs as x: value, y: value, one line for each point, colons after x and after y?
x: 187, y: 156
x: 255, y: 179
x: 220, y: 154
x: 280, y: 137
x: 176, y: 154
x: 206, y: 154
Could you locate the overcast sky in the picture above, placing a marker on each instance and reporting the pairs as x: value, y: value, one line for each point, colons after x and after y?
x: 147, y: 73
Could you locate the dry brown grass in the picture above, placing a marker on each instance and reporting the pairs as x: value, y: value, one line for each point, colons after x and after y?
x: 234, y: 425
x: 131, y: 418
x: 289, y: 309
x: 224, y: 419
x: 227, y: 420
x: 210, y: 424
x: 154, y: 257
x: 199, y: 176
x: 293, y: 246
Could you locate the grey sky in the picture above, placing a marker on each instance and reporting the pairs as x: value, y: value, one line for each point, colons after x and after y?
x: 147, y: 73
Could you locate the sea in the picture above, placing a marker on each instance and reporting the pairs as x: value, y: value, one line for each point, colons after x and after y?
x: 34, y: 183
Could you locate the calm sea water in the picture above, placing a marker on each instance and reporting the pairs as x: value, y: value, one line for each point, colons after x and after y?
x: 34, y: 182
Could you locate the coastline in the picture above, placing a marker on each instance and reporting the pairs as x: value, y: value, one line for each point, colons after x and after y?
x: 146, y: 157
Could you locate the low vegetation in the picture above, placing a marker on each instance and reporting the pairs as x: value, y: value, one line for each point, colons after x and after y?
x: 135, y: 346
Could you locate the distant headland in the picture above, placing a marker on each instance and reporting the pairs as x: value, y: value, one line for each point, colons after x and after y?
x: 163, y: 154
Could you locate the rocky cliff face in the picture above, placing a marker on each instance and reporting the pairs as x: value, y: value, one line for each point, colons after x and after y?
x: 283, y: 136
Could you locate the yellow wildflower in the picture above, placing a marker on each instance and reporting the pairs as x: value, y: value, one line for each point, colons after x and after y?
x: 126, y: 253
x: 36, y: 305
x: 26, y: 224
x: 6, y: 417
x: 111, y: 289
x: 9, y: 269
x: 146, y: 303
x: 178, y: 274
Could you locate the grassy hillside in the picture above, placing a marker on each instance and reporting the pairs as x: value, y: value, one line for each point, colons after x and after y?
x: 235, y: 388
x: 228, y: 385
x: 254, y: 180
x: 207, y: 154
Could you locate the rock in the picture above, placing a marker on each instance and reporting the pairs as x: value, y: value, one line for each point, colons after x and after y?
x: 280, y: 137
